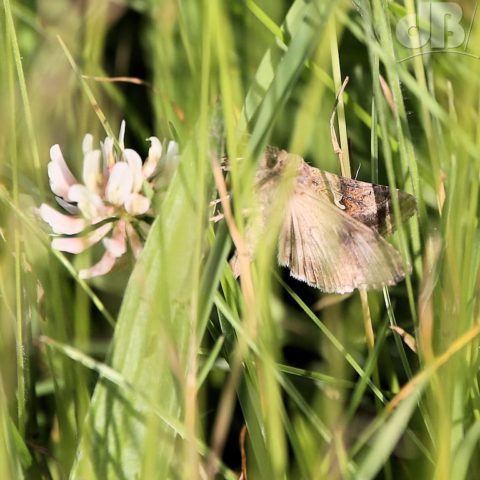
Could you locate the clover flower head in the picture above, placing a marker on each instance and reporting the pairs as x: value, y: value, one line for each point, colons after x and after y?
x: 110, y: 204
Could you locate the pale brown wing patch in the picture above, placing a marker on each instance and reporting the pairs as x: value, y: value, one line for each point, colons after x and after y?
x: 329, y: 250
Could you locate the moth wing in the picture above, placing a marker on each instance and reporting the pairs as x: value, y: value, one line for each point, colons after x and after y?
x: 329, y: 250
x: 369, y: 203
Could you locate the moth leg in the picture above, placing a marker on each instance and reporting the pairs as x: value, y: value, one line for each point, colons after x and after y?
x: 224, y: 163
x: 217, y: 218
x: 213, y: 203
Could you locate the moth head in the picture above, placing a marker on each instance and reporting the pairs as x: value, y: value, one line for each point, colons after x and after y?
x: 269, y: 158
x: 276, y: 165
x: 275, y: 160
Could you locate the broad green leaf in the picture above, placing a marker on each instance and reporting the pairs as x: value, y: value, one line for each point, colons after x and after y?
x: 150, y: 342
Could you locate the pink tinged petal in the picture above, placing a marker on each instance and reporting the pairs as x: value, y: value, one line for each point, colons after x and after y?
x: 135, y: 163
x: 117, y: 245
x: 135, y: 243
x: 79, y: 244
x: 56, y: 157
x: 137, y: 204
x: 60, y: 223
x: 87, y: 144
x: 119, y: 184
x: 154, y: 155
x: 59, y: 174
x: 89, y: 203
x: 58, y: 183
x: 91, y: 170
x: 69, y: 245
x: 72, y: 209
x: 121, y: 135
x: 107, y: 152
x: 105, y: 265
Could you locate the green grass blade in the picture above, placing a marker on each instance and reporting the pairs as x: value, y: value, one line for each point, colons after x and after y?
x: 386, y: 438
x: 465, y: 451
x: 302, y: 46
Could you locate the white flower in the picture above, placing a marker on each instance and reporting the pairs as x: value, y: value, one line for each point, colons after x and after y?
x: 110, y: 199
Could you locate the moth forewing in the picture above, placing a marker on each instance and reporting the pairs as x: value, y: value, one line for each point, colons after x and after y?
x: 369, y: 203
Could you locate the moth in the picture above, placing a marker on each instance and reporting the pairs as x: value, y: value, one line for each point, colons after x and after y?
x: 332, y: 227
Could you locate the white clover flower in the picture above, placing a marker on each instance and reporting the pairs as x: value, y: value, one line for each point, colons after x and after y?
x: 109, y: 201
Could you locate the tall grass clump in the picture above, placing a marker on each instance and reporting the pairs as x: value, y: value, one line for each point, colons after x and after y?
x: 168, y: 366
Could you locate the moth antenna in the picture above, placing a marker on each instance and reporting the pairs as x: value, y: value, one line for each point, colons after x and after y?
x: 358, y: 170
